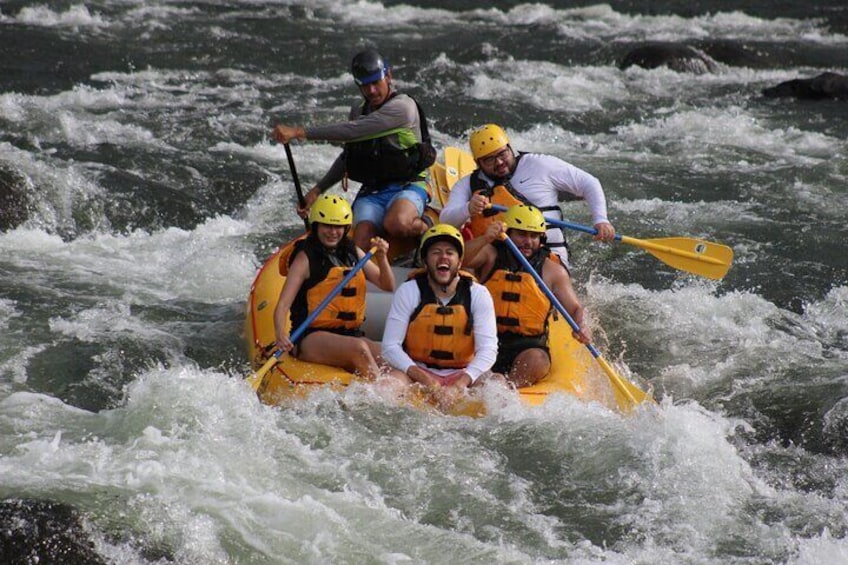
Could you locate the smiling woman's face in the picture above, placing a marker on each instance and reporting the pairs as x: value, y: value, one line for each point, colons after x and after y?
x: 329, y: 235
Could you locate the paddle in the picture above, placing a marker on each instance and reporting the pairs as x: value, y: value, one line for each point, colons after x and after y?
x: 301, y: 201
x: 697, y: 256
x: 458, y: 163
x: 256, y: 378
x: 627, y: 395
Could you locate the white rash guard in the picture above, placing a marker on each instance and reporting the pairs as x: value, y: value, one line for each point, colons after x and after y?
x: 541, y: 179
x: 407, y: 298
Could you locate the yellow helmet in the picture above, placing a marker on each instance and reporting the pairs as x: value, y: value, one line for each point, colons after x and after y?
x: 331, y: 209
x: 441, y: 232
x: 525, y: 217
x: 487, y: 139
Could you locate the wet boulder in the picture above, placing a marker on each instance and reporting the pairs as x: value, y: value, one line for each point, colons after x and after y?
x: 821, y: 87
x: 676, y: 56
x: 14, y: 199
x: 38, y: 531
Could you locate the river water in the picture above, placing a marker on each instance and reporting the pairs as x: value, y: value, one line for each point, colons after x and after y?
x: 134, y: 136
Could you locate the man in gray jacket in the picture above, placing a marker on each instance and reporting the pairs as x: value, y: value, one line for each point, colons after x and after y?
x: 386, y: 148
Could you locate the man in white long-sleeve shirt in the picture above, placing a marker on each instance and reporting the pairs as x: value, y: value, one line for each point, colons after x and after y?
x: 441, y: 329
x: 506, y: 178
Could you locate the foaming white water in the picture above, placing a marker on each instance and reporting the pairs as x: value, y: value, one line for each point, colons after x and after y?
x: 695, y: 483
x: 688, y: 216
x: 114, y: 320
x: 699, y: 339
x: 205, y: 472
x: 365, y: 13
x: 14, y: 351
x: 7, y: 312
x: 829, y: 317
x: 274, y: 204
x: 195, y: 477
x: 603, y: 21
x: 598, y: 21
x: 40, y: 114
x: 151, y: 455
x: 708, y: 137
x: 65, y: 193
x: 210, y: 263
x: 821, y: 549
x: 545, y: 85
x: 116, y: 114
x: 74, y: 18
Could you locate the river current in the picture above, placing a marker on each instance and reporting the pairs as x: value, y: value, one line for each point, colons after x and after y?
x: 140, y: 193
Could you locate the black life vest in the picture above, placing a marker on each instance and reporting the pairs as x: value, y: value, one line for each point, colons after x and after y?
x: 392, y: 156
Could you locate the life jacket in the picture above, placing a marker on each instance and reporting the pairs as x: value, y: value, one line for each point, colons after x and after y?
x: 441, y: 336
x: 326, y: 270
x: 505, y: 195
x: 521, y: 307
x: 500, y: 194
x: 285, y: 254
x: 390, y: 156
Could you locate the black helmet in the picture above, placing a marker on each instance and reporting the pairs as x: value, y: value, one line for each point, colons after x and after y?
x: 368, y: 66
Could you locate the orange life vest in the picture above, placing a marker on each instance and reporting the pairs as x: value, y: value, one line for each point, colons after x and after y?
x: 521, y: 307
x: 500, y: 195
x: 441, y: 336
x: 326, y: 270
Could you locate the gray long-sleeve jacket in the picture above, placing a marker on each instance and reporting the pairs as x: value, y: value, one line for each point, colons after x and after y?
x: 399, y: 111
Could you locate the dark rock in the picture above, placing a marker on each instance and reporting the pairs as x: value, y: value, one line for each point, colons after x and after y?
x: 676, y: 56
x: 14, y: 199
x: 734, y: 53
x: 37, y: 531
x: 823, y: 86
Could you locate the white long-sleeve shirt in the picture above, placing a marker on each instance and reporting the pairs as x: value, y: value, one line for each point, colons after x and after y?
x: 541, y: 179
x: 406, y: 300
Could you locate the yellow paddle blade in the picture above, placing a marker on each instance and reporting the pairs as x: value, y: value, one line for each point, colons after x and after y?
x: 627, y: 394
x: 438, y: 186
x: 697, y: 256
x: 458, y: 163
x: 256, y: 378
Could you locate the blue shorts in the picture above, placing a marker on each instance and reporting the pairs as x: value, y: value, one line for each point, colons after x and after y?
x: 372, y: 207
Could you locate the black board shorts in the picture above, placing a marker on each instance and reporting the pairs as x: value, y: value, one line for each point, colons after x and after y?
x: 510, y: 346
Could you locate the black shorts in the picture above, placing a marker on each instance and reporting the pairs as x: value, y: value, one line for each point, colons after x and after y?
x: 510, y: 346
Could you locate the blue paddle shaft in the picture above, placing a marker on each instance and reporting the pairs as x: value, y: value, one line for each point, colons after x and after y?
x: 561, y: 223
x: 297, y: 333
x: 548, y: 292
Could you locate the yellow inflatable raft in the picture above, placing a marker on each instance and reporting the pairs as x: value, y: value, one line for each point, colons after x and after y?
x: 573, y: 369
